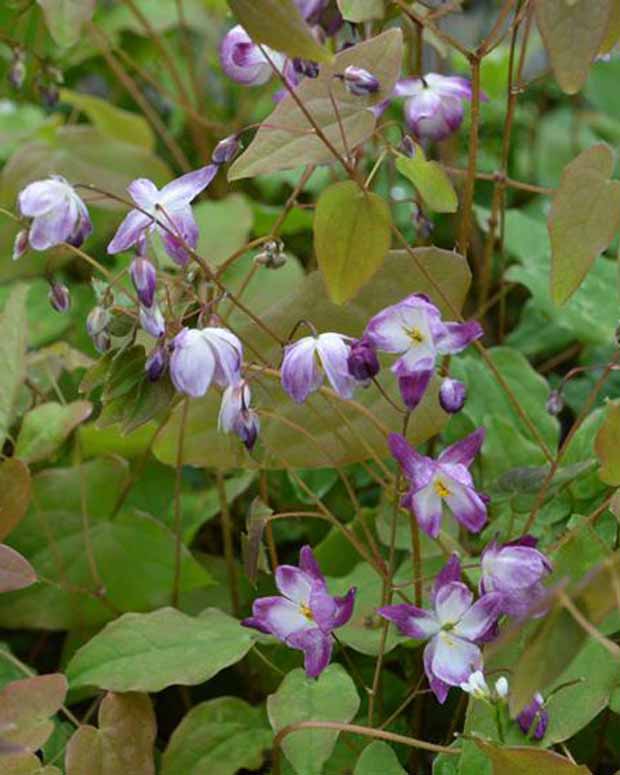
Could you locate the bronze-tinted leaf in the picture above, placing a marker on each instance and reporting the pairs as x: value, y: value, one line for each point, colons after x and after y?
x: 15, y: 571
x: 520, y: 760
x: 13, y: 338
x: 607, y: 445
x: 14, y: 494
x: 27, y: 705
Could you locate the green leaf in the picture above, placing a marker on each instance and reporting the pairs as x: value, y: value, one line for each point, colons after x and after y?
x: 14, y: 494
x: 431, y: 181
x: 221, y: 737
x: 573, y: 32
x: 13, y: 338
x: 351, y: 238
x: 331, y: 697
x: 361, y: 10
x: 607, y: 445
x: 224, y: 227
x: 113, y: 122
x: 47, y: 426
x: 65, y: 18
x: 520, y: 760
x: 378, y: 759
x: 279, y: 25
x: 124, y: 741
x: 27, y: 764
x: 584, y: 216
x: 27, y: 705
x: 344, y: 434
x: 148, y: 652
x: 294, y: 142
x: 15, y: 571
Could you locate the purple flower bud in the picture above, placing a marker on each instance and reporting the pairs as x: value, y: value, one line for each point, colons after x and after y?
x: 452, y: 395
x: 97, y: 321
x: 20, y: 246
x: 152, y: 321
x: 17, y: 70
x: 144, y: 278
x: 306, y: 67
x: 156, y: 363
x: 102, y: 342
x: 407, y: 146
x: 423, y: 224
x: 534, y: 717
x: 363, y: 362
x: 49, y: 94
x: 236, y: 415
x: 59, y: 297
x: 244, y: 61
x: 226, y: 150
x: 555, y: 403
x: 360, y: 82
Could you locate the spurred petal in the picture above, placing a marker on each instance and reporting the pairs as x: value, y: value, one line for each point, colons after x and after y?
x: 294, y: 584
x: 183, y: 190
x: 457, y: 336
x: 181, y: 231
x: 465, y: 450
x: 449, y: 86
x: 408, y: 87
x: 410, y: 620
x: 513, y: 567
x: 317, y: 648
x: 131, y: 229
x: 334, y: 354
x: 144, y: 193
x: 452, y: 601
x: 455, y: 658
x: 280, y: 616
x: 309, y: 565
x: 344, y: 608
x: 413, y: 386
x: 467, y: 507
x: 418, y: 469
x: 427, y: 508
x: 228, y: 353
x: 450, y: 572
x: 480, y: 617
x: 300, y: 373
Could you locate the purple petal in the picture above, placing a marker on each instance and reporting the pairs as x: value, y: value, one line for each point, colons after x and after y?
x: 410, y: 620
x: 228, y: 353
x: 408, y: 87
x: 467, y: 507
x: 334, y: 354
x: 452, y: 601
x: 280, y: 617
x: 457, y: 336
x: 535, y: 711
x: 455, y: 658
x: 309, y: 565
x: 300, y: 373
x: 183, y: 190
x: 404, y: 326
x: 55, y: 226
x: 450, y: 85
x: 192, y: 364
x: 40, y: 197
x: 413, y: 386
x: 243, y: 61
x: 317, y: 648
x: 152, y: 321
x: 181, y: 230
x: 418, y: 469
x: 256, y: 624
x: 427, y: 507
x: 344, y: 608
x: 450, y: 572
x: 513, y: 567
x: 480, y: 617
x: 465, y: 450
x: 129, y: 232
x: 438, y: 687
x: 294, y: 584
x: 144, y: 193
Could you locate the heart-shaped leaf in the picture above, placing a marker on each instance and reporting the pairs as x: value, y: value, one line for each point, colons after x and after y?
x: 378, y: 759
x: 14, y: 494
x: 26, y: 707
x: 431, y: 181
x: 47, y: 426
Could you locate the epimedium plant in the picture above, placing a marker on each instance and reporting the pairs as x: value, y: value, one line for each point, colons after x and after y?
x: 186, y: 405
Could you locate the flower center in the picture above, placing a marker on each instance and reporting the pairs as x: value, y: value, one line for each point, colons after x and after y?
x: 415, y: 335
x: 441, y: 489
x: 306, y: 611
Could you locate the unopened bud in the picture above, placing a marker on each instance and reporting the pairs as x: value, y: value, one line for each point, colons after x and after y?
x: 144, y: 278
x: 49, y: 93
x: 20, y: 246
x: 156, y: 363
x: 102, y: 342
x: 407, y: 146
x: 423, y: 224
x: 247, y: 427
x: 17, y: 70
x: 452, y: 395
x: 59, y: 297
x: 152, y: 321
x: 360, y: 82
x: 97, y: 321
x: 226, y: 150
x: 272, y: 255
x: 306, y: 67
x: 555, y: 403
x: 363, y: 363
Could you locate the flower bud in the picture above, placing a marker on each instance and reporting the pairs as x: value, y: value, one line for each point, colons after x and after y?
x: 363, y: 363
x: 49, y: 94
x: 407, y: 146
x: 452, y: 395
x: 272, y: 256
x: 17, y: 70
x: 423, y: 224
x: 226, y: 150
x: 102, y: 342
x: 156, y: 363
x: 59, y: 297
x: 555, y: 403
x: 144, y: 278
x: 152, y: 321
x: 20, y: 246
x: 534, y: 718
x: 97, y: 321
x: 306, y: 67
x: 360, y: 82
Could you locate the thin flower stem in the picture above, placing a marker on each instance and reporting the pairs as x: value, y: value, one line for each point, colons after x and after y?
x: 227, y: 541
x: 178, y: 532
x: 271, y: 544
x: 470, y: 180
x: 423, y: 21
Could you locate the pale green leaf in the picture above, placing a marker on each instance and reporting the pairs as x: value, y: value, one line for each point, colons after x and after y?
x: 27, y: 764
x: 607, y: 445
x: 13, y: 339
x: 378, y: 759
x: 431, y: 181
x: 361, y: 10
x: 47, y: 426
x: 224, y: 226
x: 65, y: 18
x: 351, y: 238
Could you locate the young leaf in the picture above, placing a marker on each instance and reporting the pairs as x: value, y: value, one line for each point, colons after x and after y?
x: 27, y: 705
x: 124, y: 742
x: 378, y: 759
x: 279, y: 25
x: 221, y: 737
x: 331, y: 697
x: 584, y: 216
x: 13, y: 338
x: 15, y: 571
x: 351, y: 238
x: 361, y: 10
x: 47, y: 426
x: 26, y: 764
x: 65, y: 18
x: 573, y: 32
x: 14, y: 494
x: 431, y: 181
x: 607, y: 445
x: 519, y: 760
x: 294, y: 142
x: 148, y: 652
x: 613, y: 30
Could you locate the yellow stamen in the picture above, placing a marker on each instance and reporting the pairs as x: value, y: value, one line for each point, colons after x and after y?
x: 415, y: 335
x: 441, y: 489
x: 306, y: 611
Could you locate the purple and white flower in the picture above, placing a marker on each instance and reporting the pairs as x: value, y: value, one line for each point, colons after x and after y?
x: 452, y: 395
x: 515, y: 570
x: 236, y: 416
x: 58, y: 213
x: 534, y: 718
x: 167, y: 211
x: 144, y: 279
x: 243, y: 60
x: 447, y: 480
x: 363, y: 362
x: 454, y: 628
x: 307, y: 360
x: 413, y: 328
x: 305, y: 615
x: 434, y: 106
x: 152, y: 321
x: 200, y: 357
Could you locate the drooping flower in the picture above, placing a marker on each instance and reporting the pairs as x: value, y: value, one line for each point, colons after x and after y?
x: 167, y: 211
x: 477, y: 686
x: 305, y: 615
x: 534, y: 718
x: 301, y: 368
x: 452, y: 395
x: 454, y: 628
x: 152, y: 321
x: 59, y: 297
x: 434, y: 107
x: 236, y: 415
x: 244, y: 61
x: 97, y: 321
x: 144, y: 279
x: 363, y: 362
x: 58, y: 213
x: 156, y: 363
x: 413, y: 328
x: 200, y: 357
x: 447, y: 480
x: 515, y: 570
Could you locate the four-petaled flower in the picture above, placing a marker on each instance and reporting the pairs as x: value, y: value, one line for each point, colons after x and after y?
x: 413, y: 328
x: 167, y: 211
x: 245, y: 62
x: 445, y: 480
x: 200, y: 357
x: 306, y: 614
x: 301, y: 367
x: 454, y: 628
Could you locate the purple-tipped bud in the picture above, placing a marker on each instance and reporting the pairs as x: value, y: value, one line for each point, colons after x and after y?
x: 59, y: 297
x: 144, y: 278
x: 97, y: 321
x: 452, y: 395
x: 247, y: 428
x: 226, y: 150
x: 555, y: 403
x: 534, y: 718
x: 407, y: 146
x: 363, y: 363
x: 152, y: 321
x: 102, y: 342
x: 17, y: 70
x: 49, y: 94
x: 360, y: 82
x: 157, y: 363
x: 306, y: 67
x: 20, y: 246
x: 423, y: 224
